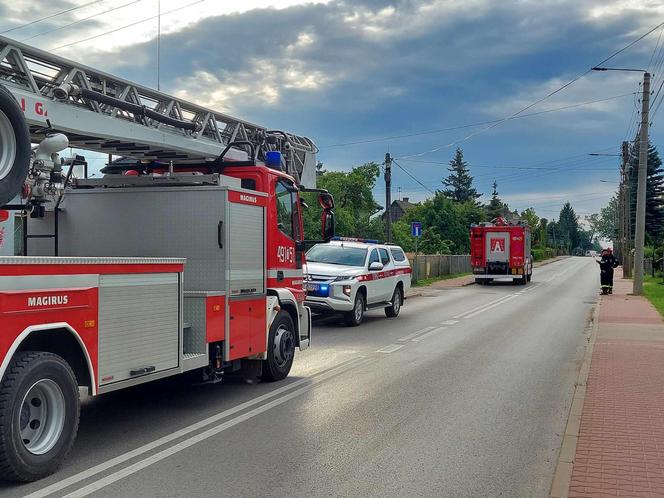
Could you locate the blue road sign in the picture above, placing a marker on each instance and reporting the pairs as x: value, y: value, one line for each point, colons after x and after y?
x: 416, y: 228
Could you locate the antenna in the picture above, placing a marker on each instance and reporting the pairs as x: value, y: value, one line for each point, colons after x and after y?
x: 158, y: 44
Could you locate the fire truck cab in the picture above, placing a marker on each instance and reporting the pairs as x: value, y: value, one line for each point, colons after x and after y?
x: 501, y: 250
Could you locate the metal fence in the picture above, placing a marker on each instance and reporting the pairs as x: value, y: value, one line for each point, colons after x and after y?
x: 437, y: 265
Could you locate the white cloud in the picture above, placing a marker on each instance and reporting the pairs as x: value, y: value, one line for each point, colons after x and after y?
x: 183, y: 16
x: 225, y: 91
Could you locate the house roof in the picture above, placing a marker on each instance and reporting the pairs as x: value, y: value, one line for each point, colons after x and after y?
x: 404, y: 204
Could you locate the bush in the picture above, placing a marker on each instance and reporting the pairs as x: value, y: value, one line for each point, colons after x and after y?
x: 540, y: 254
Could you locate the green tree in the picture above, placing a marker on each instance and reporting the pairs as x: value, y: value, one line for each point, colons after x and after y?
x: 495, y: 207
x: 605, y: 223
x: 654, y: 191
x: 355, y: 205
x: 530, y: 216
x: 540, y: 238
x: 568, y: 228
x: 459, y: 183
x: 445, y: 225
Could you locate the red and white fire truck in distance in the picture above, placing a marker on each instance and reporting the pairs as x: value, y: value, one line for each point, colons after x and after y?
x: 501, y: 250
x: 185, y: 256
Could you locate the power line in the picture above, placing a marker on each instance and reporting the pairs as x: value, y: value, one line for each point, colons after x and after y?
x: 127, y: 25
x: 471, y: 125
x: 413, y: 177
x: 656, y: 47
x: 79, y: 21
x: 51, y: 16
x: 542, y: 99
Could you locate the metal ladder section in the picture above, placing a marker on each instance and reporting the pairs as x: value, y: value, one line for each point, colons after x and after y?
x: 34, y: 77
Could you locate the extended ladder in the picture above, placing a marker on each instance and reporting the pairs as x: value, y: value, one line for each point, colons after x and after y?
x: 103, y: 113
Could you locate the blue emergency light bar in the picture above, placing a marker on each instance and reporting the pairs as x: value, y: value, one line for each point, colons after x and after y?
x: 356, y: 239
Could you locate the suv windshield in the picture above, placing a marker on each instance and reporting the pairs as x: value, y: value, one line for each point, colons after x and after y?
x: 337, y: 255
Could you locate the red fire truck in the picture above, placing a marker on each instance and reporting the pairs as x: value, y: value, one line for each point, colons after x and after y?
x: 501, y: 250
x: 185, y: 257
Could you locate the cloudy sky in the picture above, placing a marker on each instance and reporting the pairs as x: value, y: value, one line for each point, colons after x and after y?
x: 412, y: 77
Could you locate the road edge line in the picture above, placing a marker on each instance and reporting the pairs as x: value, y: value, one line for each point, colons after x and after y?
x: 562, y: 476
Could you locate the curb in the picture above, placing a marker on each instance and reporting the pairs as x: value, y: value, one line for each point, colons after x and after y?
x: 563, y: 474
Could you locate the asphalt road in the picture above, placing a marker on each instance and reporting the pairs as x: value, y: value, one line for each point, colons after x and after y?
x: 465, y: 394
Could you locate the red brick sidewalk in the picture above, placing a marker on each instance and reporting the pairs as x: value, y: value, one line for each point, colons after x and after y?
x: 620, y: 444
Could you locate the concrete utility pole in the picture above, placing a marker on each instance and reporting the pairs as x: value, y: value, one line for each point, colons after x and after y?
x: 640, y: 235
x: 388, y: 197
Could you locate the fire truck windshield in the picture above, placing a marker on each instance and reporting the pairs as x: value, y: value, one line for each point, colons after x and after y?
x: 337, y: 255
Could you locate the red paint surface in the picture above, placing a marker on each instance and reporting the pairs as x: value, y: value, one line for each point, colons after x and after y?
x: 63, y: 300
x: 15, y: 317
x: 93, y: 269
x: 247, y: 327
x: 215, y: 311
x: 478, y: 237
x: 246, y: 198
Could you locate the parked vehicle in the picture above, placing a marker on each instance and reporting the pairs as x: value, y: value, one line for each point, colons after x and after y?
x: 186, y: 258
x: 501, y: 250
x: 350, y: 276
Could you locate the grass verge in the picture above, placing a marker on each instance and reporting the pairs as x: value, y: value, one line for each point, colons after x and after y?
x: 653, y: 288
x: 428, y: 281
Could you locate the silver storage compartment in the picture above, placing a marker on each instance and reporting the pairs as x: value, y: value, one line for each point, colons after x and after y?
x: 246, y: 249
x: 139, y: 325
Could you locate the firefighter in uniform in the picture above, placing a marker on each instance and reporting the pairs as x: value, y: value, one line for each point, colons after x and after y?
x: 606, y: 265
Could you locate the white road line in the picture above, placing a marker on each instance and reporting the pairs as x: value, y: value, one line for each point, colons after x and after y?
x: 183, y: 445
x: 487, y: 308
x: 466, y: 313
x: 415, y: 334
x: 449, y: 322
x: 390, y: 349
x: 102, y: 467
x: 428, y: 334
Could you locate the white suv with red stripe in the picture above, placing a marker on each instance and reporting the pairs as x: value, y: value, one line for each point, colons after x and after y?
x: 351, y: 276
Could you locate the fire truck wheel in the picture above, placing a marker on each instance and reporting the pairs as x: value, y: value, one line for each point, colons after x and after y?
x: 397, y: 301
x: 39, y: 411
x: 15, y: 147
x: 280, y: 348
x: 354, y: 318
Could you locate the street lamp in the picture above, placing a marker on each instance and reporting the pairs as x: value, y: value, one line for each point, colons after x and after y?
x: 639, y: 238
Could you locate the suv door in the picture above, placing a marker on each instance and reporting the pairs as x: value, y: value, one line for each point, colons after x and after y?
x: 388, y: 281
x: 374, y: 284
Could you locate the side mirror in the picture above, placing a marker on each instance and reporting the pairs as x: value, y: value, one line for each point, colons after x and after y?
x: 376, y: 266
x: 326, y: 201
x: 327, y: 225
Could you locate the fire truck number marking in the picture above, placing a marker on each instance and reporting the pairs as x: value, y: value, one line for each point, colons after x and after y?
x: 39, y: 108
x: 285, y: 254
x: 497, y: 245
x: 248, y: 198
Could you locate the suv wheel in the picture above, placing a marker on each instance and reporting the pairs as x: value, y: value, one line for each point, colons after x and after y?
x: 356, y: 315
x: 397, y: 301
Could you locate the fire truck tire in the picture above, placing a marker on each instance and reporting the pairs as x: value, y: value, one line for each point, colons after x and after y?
x: 280, y: 348
x: 15, y: 147
x: 355, y: 317
x: 39, y: 413
x: 397, y: 301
